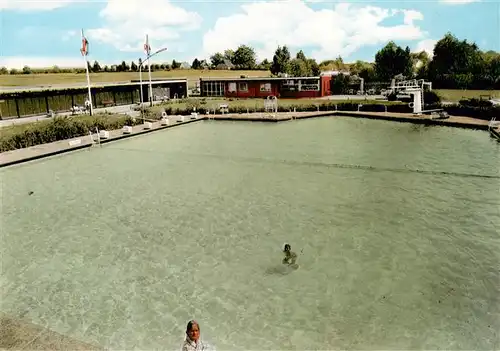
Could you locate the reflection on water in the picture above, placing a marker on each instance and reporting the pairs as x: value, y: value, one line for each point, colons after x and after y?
x: 122, y: 245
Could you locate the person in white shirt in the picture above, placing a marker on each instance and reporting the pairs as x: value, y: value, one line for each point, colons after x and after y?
x: 192, y: 341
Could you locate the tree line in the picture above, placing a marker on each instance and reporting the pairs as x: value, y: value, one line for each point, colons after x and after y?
x: 456, y: 64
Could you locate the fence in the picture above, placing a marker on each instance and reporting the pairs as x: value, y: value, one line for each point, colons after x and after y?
x: 22, y: 104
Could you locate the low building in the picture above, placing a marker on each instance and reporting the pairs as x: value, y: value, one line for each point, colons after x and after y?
x: 163, y: 88
x: 261, y: 87
x: 31, y: 101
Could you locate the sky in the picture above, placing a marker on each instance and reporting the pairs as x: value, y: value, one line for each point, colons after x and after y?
x: 44, y: 33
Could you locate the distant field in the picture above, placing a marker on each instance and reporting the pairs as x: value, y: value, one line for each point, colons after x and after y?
x: 457, y: 95
x: 74, y: 78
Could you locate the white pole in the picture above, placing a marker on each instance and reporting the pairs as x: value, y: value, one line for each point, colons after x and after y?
x: 85, y: 52
x: 140, y: 79
x: 149, y: 71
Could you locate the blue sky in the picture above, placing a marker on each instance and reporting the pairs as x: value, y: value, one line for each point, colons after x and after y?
x: 45, y: 33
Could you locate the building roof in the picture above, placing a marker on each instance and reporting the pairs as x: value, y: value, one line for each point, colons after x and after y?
x: 19, y: 89
x: 254, y: 79
x: 334, y: 73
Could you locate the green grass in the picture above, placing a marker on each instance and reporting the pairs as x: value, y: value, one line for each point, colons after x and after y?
x: 455, y: 95
x: 193, y: 76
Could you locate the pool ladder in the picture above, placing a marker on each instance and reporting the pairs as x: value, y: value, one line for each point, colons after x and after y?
x: 96, y: 141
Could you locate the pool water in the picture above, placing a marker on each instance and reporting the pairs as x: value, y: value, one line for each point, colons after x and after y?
x: 395, y: 226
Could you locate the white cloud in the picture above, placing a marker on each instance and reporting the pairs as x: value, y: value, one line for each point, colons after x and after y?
x: 459, y: 2
x: 127, y: 23
x: 19, y: 62
x: 426, y: 45
x: 41, y: 62
x: 33, y: 5
x: 330, y: 32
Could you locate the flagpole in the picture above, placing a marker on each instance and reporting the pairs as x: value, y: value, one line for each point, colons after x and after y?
x: 149, y: 71
x: 84, y: 54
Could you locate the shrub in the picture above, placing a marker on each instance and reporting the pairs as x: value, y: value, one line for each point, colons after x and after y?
x: 475, y: 103
x: 485, y: 113
x: 59, y: 128
x: 392, y: 97
x: 430, y: 97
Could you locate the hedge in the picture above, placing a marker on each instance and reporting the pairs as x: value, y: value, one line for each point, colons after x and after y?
x: 484, y: 112
x: 327, y: 106
x: 59, y: 128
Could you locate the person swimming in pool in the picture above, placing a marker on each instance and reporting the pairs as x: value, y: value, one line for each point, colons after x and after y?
x: 290, y: 256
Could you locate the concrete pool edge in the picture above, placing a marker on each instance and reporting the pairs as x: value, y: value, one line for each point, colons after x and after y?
x: 452, y: 121
x: 64, y: 146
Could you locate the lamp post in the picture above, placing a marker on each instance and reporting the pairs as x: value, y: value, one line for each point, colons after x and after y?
x: 140, y: 77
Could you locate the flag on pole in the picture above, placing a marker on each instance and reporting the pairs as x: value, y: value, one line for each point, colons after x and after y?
x: 147, y: 47
x: 85, y: 45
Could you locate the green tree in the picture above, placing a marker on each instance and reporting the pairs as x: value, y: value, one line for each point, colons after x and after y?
x: 196, y: 64
x: 27, y: 70
x: 453, y: 56
x: 420, y: 62
x: 4, y: 70
x: 216, y: 59
x: 340, y: 84
x: 281, y: 60
x: 456, y: 63
x: 96, y: 67
x: 298, y: 68
x: 204, y: 64
x: 265, y: 65
x: 133, y: 66
x: 392, y: 60
x: 301, y: 56
x: 229, y: 55
x: 337, y: 64
x: 363, y: 70
x: 175, y: 64
x: 244, y: 57
x: 313, y: 66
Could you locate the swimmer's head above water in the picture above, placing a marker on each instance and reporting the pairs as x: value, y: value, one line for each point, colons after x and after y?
x: 290, y: 256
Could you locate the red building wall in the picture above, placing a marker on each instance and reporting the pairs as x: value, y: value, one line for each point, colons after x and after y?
x: 253, y: 89
x: 325, y: 84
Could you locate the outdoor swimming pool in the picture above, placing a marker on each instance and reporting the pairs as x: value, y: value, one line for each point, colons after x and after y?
x: 120, y: 246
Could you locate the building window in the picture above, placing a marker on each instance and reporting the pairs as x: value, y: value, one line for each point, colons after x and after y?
x: 243, y: 86
x: 213, y: 88
x: 309, y: 85
x: 231, y: 87
x: 265, y: 87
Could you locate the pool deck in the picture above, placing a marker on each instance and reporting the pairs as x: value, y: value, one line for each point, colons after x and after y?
x: 9, y: 158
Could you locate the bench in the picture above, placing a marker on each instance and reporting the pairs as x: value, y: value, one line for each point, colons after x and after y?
x: 224, y: 108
